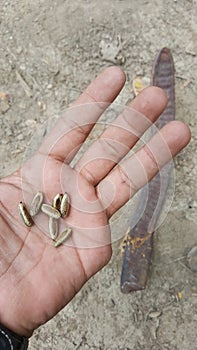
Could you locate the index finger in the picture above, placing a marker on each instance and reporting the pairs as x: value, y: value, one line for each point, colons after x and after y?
x: 74, y: 126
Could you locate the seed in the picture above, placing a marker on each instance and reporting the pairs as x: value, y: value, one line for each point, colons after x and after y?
x: 53, y: 227
x: 26, y: 217
x: 56, y: 203
x: 36, y: 204
x: 63, y: 236
x: 50, y: 211
x: 65, y: 205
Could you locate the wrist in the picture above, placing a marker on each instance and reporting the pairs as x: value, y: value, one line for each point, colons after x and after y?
x: 14, y: 326
x: 10, y: 340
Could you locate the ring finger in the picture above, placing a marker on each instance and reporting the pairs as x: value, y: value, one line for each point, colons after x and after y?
x: 127, y: 178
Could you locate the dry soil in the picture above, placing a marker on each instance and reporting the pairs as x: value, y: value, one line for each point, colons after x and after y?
x: 49, y: 51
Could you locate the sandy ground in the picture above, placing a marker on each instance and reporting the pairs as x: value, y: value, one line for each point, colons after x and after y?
x: 49, y: 51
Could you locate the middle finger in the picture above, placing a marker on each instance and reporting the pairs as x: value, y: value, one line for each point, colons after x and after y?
x: 121, y: 135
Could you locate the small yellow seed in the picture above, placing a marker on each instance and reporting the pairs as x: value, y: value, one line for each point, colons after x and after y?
x: 63, y: 237
x: 56, y: 203
x: 65, y: 205
x: 26, y: 217
x: 36, y: 204
x: 140, y: 83
x: 50, y: 211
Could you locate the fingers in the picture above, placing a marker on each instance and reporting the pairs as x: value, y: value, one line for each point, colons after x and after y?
x: 122, y: 134
x: 127, y: 178
x: 72, y: 129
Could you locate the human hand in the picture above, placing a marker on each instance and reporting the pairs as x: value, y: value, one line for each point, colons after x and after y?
x: 36, y: 279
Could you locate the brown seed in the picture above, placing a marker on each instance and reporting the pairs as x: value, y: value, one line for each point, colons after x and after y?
x: 56, y: 203
x: 36, y: 204
x: 53, y: 227
x: 50, y: 211
x: 62, y: 237
x: 65, y: 205
x: 26, y: 217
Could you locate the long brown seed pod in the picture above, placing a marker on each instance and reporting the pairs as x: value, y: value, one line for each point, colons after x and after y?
x: 138, y: 248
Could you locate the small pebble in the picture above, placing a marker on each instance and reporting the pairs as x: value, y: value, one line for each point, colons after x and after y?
x: 154, y: 314
x: 4, y: 106
x: 19, y: 50
x: 192, y: 258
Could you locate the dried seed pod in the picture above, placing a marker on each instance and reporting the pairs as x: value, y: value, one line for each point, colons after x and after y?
x: 53, y: 227
x: 50, y: 211
x: 137, y: 257
x: 56, y: 203
x: 26, y: 217
x: 36, y: 204
x: 65, y: 205
x: 63, y: 237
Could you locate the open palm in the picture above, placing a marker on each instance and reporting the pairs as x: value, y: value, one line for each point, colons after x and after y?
x: 36, y: 279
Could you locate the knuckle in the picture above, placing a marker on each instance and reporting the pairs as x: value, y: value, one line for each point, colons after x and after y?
x: 81, y: 129
x: 87, y: 174
x: 153, y: 162
x: 127, y: 180
x: 110, y: 147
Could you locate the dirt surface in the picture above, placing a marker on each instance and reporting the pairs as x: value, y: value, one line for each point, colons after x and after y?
x: 49, y: 51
